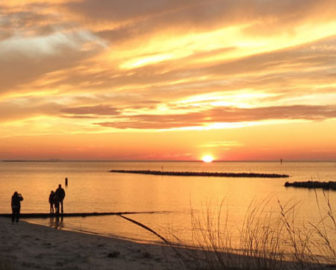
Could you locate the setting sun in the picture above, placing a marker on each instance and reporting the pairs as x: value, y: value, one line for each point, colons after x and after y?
x: 207, y: 158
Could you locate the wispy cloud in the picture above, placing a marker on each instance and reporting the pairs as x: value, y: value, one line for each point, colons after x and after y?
x: 223, y: 115
x: 91, y: 110
x: 221, y: 144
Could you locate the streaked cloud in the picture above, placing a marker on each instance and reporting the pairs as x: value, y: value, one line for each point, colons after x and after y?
x: 221, y: 144
x: 91, y: 110
x: 224, y: 115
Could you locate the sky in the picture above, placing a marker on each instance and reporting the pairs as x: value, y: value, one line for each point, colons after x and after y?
x: 168, y: 79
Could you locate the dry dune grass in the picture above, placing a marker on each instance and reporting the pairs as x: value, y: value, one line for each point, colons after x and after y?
x: 269, y: 240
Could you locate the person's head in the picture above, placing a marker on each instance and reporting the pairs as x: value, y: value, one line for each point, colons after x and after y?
x: 52, y: 191
x: 59, y: 185
x: 15, y: 193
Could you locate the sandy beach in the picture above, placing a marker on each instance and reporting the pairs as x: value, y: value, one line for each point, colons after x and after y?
x: 29, y: 246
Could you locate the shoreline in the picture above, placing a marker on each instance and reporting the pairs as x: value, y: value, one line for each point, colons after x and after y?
x: 26, y: 245
x: 80, y: 214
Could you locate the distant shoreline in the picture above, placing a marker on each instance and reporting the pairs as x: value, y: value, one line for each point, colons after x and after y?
x: 206, y: 174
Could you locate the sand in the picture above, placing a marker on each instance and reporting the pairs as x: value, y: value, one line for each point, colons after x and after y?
x: 29, y: 246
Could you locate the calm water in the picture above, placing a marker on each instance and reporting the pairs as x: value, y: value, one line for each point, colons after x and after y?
x: 92, y: 188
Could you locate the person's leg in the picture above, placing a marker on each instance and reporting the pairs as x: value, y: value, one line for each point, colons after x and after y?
x: 57, y: 207
x: 13, y: 215
x: 62, y: 206
x: 17, y: 216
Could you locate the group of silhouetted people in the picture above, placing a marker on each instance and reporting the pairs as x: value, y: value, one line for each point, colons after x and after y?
x: 56, y: 200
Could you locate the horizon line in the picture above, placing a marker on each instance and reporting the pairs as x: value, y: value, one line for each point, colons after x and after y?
x: 163, y: 160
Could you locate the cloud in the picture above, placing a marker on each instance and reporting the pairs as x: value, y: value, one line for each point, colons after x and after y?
x: 61, y: 49
x: 27, y: 108
x: 35, y: 41
x: 72, y: 59
x: 97, y: 110
x: 278, y: 72
x: 18, y: 69
x: 222, y: 144
x: 224, y: 114
x: 30, y: 20
x: 131, y: 19
x: 25, y: 59
x: 38, y: 46
x: 123, y: 10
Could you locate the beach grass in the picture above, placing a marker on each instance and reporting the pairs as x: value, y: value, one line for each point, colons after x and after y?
x: 269, y: 240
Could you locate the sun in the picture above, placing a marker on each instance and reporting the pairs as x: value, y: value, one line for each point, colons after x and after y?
x: 207, y: 158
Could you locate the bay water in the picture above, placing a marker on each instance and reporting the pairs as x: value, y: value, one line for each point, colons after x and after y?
x: 92, y: 188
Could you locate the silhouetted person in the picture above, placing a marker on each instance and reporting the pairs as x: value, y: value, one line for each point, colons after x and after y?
x: 16, y: 206
x: 52, y: 201
x: 66, y: 181
x: 56, y: 203
x: 59, y: 197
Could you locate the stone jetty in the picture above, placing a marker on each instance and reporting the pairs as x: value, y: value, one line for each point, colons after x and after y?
x: 206, y: 174
x: 313, y: 184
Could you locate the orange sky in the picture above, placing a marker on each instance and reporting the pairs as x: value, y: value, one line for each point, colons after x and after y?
x: 175, y: 80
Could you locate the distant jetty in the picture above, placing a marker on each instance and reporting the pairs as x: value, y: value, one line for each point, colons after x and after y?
x: 207, y: 174
x: 312, y: 184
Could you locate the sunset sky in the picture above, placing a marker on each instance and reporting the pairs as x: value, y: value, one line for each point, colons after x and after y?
x: 168, y: 79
